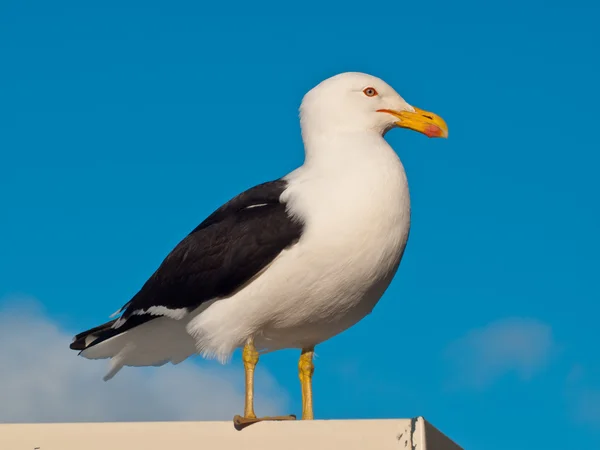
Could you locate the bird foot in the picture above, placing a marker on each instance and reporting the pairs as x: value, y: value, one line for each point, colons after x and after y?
x: 240, y: 422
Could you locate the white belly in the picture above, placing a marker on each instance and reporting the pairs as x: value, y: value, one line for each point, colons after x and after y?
x: 351, y: 247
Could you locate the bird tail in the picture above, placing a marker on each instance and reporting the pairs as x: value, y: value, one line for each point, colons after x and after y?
x: 152, y: 343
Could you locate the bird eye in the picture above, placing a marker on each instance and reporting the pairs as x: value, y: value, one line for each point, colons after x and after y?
x: 370, y: 92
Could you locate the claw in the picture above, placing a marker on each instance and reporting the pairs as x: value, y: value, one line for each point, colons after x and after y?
x: 240, y: 422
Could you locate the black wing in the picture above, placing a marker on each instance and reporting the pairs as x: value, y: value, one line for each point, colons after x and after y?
x: 218, y: 257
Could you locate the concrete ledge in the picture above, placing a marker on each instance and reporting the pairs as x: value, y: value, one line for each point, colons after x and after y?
x: 404, y: 434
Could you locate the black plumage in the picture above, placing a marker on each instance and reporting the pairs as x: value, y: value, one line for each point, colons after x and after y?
x: 217, y: 258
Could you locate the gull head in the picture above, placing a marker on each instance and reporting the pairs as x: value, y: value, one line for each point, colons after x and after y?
x: 354, y: 102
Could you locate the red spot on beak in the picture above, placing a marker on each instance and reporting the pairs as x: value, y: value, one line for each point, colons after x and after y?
x: 433, y: 131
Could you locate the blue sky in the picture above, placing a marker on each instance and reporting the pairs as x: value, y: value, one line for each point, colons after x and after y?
x: 122, y: 127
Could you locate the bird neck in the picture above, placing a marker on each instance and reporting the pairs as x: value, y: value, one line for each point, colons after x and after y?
x: 340, y: 148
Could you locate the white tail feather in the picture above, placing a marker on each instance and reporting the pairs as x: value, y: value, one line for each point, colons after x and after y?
x: 153, y: 343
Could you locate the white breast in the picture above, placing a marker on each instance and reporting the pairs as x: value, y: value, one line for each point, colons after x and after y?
x: 357, y: 220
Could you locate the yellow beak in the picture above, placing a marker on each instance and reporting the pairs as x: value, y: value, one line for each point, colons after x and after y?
x: 425, y: 122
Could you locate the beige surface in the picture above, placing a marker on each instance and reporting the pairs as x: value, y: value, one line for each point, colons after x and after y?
x: 405, y: 434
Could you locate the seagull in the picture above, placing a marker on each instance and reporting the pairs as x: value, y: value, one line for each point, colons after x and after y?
x: 289, y: 263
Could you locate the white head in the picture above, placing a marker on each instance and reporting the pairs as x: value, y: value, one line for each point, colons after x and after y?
x: 354, y: 102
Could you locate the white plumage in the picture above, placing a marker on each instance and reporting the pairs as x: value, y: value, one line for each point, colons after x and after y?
x: 352, y: 196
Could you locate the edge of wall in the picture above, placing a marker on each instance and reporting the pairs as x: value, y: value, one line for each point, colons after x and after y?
x: 405, y: 434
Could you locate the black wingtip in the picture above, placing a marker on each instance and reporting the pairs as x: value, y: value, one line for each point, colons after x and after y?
x: 79, y: 343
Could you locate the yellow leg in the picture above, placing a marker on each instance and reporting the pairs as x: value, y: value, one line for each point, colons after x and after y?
x: 250, y: 359
x: 306, y: 369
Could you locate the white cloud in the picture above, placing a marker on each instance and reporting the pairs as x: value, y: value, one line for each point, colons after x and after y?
x: 513, y: 345
x: 42, y: 380
x: 587, y: 407
x: 583, y: 395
